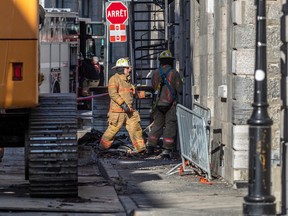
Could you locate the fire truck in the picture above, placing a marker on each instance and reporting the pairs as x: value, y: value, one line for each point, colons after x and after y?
x: 59, y: 51
x: 38, y: 118
x: 67, y: 41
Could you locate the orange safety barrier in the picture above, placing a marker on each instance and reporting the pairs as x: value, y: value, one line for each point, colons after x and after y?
x: 201, y: 179
x: 181, y: 169
x: 204, y: 181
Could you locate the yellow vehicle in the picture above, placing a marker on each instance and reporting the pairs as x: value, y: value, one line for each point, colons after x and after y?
x: 44, y: 124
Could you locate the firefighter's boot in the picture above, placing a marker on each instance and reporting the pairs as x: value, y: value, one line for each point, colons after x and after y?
x: 166, y: 154
x: 140, y: 147
x: 150, y: 150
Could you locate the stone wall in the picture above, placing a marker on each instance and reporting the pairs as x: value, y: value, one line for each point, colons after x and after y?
x: 224, y: 59
x: 243, y: 62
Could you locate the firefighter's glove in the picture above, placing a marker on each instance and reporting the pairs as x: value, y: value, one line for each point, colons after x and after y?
x: 126, y: 108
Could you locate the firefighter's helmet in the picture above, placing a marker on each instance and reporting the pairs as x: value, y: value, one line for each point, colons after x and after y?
x: 166, y: 55
x: 122, y: 63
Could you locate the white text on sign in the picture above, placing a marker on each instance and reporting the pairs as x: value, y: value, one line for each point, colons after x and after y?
x: 117, y: 13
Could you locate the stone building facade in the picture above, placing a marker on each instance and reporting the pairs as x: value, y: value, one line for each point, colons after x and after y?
x: 220, y: 53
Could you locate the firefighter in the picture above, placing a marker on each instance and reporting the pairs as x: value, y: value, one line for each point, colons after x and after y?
x: 167, y: 84
x: 121, y: 92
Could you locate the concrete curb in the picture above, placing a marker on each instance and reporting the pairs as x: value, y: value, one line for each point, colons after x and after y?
x: 107, y: 170
x: 109, y: 173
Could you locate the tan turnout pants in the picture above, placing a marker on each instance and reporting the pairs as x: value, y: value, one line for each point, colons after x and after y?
x: 115, y: 123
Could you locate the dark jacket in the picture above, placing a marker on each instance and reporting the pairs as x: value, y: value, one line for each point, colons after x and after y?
x: 89, y: 71
x: 174, y: 80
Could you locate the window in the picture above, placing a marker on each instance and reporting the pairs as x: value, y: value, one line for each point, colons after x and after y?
x: 59, y: 4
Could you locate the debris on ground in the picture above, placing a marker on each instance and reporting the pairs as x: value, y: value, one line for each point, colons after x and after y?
x: 121, y: 148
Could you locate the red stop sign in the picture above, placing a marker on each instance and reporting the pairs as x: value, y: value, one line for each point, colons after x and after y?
x: 117, y: 13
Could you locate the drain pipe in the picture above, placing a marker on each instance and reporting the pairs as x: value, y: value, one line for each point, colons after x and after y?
x: 166, y: 14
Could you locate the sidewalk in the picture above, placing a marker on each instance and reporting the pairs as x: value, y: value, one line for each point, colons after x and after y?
x: 144, y: 188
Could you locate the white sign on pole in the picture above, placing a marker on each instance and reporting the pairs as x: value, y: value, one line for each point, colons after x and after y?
x: 118, y: 33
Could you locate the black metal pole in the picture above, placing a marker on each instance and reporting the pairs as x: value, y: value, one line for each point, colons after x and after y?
x: 259, y: 200
x: 284, y: 108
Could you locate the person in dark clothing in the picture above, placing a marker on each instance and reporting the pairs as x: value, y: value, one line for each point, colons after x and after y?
x: 90, y: 76
x: 100, y: 69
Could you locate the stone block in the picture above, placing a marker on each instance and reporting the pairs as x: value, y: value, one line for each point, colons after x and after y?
x: 273, y: 54
x: 243, y: 88
x: 244, y: 36
x: 232, y: 174
x: 240, y: 159
x: 273, y: 69
x: 273, y: 37
x: 273, y: 87
x: 240, y: 174
x: 240, y: 140
x: 249, y: 9
x: 276, y: 187
x: 243, y: 61
x: 242, y: 111
x: 236, y: 159
x: 237, y: 12
x: 235, y: 175
x: 274, y: 12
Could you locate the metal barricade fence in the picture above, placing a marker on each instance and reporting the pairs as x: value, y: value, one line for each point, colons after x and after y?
x: 206, y: 114
x: 194, y: 134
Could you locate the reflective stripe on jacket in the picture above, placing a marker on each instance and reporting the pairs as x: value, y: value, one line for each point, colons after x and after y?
x: 120, y: 90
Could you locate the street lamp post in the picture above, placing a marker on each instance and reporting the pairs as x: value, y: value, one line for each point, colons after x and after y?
x: 259, y: 200
x: 284, y: 97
